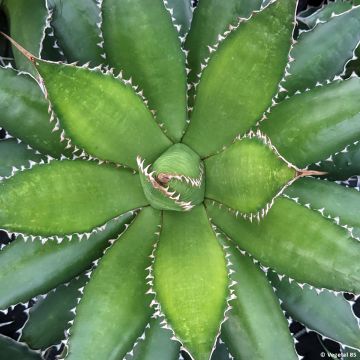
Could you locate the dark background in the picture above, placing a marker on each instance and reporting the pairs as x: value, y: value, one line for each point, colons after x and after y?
x: 310, y: 344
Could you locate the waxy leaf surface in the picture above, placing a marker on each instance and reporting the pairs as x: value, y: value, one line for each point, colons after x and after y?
x: 329, y: 314
x: 63, y: 197
x: 191, y: 291
x: 32, y: 268
x: 311, y: 126
x: 246, y: 176
x: 253, y: 55
x: 147, y: 48
x: 114, y: 309
x: 116, y: 128
x: 293, y: 239
x: 11, y: 349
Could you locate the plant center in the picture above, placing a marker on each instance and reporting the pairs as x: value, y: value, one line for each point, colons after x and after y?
x: 175, y: 181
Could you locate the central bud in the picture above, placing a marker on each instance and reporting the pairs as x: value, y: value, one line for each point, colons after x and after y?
x: 175, y: 181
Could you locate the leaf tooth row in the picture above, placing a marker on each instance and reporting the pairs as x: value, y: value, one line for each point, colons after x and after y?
x: 88, y: 274
x: 100, y: 44
x: 174, y: 21
x: 47, y: 27
x: 60, y: 239
x: 154, y: 304
x: 166, y: 191
x: 336, y: 220
x: 130, y: 354
x: 318, y: 291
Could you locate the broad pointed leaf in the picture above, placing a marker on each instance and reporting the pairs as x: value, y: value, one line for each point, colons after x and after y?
x: 293, y: 239
x: 212, y: 18
x: 311, y: 126
x: 191, y: 293
x: 114, y: 309
x: 32, y: 268
x: 182, y: 13
x: 256, y: 324
x: 156, y: 344
x: 10, y: 349
x: 248, y: 56
x: 15, y: 154
x: 75, y: 27
x: 343, y: 164
x: 141, y: 40
x: 246, y: 176
x: 325, y: 13
x: 24, y: 113
x: 329, y: 314
x: 64, y: 197
x: 116, y: 128
x: 318, y: 56
x: 49, y: 317
x: 339, y: 202
x: 27, y: 26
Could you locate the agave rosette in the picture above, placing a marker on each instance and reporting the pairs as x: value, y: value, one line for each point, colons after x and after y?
x: 200, y: 150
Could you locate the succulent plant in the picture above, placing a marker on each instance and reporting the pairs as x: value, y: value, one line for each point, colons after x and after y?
x: 178, y: 187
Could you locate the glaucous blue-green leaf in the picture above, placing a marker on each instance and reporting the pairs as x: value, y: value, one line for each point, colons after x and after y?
x: 175, y: 181
x: 221, y: 351
x: 11, y: 349
x: 15, y: 154
x: 212, y: 18
x: 27, y: 19
x: 325, y: 12
x: 342, y: 164
x: 24, y: 113
x: 50, y: 316
x: 114, y: 310
x: 256, y: 324
x: 156, y: 344
x: 311, y: 126
x: 339, y: 202
x: 318, y: 56
x: 147, y: 48
x: 182, y: 13
x: 254, y: 55
x: 31, y: 268
x: 191, y: 282
x: 75, y: 27
x: 328, y: 314
x: 63, y: 197
x: 247, y: 175
x: 293, y: 239
x: 116, y: 128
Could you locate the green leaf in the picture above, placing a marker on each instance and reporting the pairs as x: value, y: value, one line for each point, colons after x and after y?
x: 191, y: 293
x: 50, y: 316
x: 247, y: 175
x: 248, y: 56
x: 182, y: 13
x: 293, y: 239
x: 256, y: 324
x: 329, y: 314
x: 311, y: 126
x: 221, y: 352
x: 24, y: 113
x: 31, y: 268
x: 342, y: 164
x: 63, y: 197
x: 114, y: 309
x: 325, y: 13
x: 137, y: 34
x: 74, y: 24
x: 318, y: 56
x: 10, y: 349
x: 339, y: 202
x: 155, y: 344
x: 28, y: 21
x: 15, y: 154
x: 117, y: 129
x: 211, y: 18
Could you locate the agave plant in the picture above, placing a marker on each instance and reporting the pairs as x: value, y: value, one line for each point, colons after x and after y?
x: 199, y: 156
